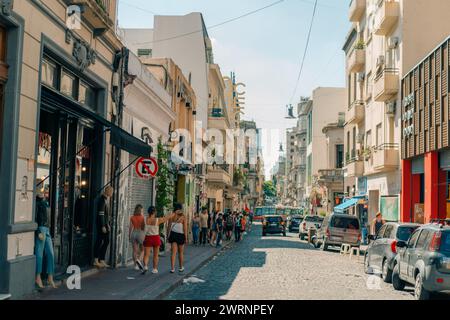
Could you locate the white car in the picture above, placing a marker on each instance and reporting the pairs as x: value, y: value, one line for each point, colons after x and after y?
x: 309, y: 222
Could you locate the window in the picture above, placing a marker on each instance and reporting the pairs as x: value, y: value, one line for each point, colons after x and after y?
x: 67, y: 84
x: 48, y: 73
x: 369, y: 139
x: 388, y: 234
x: 146, y: 53
x: 422, y: 239
x: 86, y: 95
x: 413, y: 239
x: 379, y: 136
x: 339, y: 156
x: 403, y: 233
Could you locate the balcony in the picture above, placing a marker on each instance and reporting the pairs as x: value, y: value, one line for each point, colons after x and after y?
x: 355, y: 113
x: 218, y: 175
x: 386, y: 85
x: 357, y: 10
x: 100, y: 14
x: 387, y: 17
x: 386, y: 157
x: 357, y: 60
x: 354, y: 165
x: 330, y: 176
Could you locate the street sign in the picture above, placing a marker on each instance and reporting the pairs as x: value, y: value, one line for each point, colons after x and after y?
x: 146, y: 168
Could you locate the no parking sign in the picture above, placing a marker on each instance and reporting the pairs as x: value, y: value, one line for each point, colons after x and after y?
x: 146, y: 168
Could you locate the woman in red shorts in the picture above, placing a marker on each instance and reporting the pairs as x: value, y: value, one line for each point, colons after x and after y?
x: 152, y: 238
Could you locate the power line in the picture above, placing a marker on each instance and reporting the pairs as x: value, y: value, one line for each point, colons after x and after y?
x: 213, y: 26
x: 139, y: 8
x: 305, y: 52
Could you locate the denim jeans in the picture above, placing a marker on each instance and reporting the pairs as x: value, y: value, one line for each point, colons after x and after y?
x: 195, y: 233
x: 203, y: 235
x: 219, y: 238
x: 44, y: 248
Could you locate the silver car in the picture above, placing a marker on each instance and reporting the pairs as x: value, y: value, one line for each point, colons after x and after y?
x: 338, y: 229
x: 424, y: 261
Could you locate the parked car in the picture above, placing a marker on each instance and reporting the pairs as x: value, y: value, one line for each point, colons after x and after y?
x: 273, y: 224
x: 294, y: 223
x: 309, y: 222
x: 382, y: 250
x: 338, y: 229
x: 424, y: 261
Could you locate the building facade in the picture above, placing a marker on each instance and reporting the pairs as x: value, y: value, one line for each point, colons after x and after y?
x: 385, y: 41
x: 61, y: 116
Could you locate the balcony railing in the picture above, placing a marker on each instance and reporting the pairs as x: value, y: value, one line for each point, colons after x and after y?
x: 387, y: 16
x: 354, y: 164
x: 357, y: 9
x: 331, y: 175
x: 356, y: 112
x: 386, y: 85
x: 386, y: 157
x: 100, y: 14
x: 357, y: 60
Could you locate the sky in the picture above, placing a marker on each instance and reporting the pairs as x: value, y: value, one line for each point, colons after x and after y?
x: 265, y: 51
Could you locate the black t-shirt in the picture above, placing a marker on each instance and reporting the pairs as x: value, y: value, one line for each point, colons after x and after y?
x: 42, y: 213
x: 103, y: 213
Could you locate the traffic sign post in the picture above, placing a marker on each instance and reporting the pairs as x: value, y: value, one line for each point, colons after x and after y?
x: 146, y: 168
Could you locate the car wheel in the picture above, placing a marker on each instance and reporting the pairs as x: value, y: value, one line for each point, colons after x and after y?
x: 420, y: 293
x: 367, y: 267
x: 386, y: 273
x: 397, y: 283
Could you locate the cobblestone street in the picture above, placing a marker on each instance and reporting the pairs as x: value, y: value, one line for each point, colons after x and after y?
x: 276, y: 267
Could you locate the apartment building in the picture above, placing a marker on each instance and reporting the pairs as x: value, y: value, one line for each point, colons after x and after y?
x: 328, y: 105
x: 386, y: 40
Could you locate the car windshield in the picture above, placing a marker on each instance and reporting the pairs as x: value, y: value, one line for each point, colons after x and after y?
x: 445, y: 243
x: 296, y: 219
x: 273, y: 219
x: 313, y: 219
x: 403, y: 233
x: 258, y: 212
x: 346, y: 223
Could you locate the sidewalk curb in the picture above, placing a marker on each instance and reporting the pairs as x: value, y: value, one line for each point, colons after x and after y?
x: 178, y: 283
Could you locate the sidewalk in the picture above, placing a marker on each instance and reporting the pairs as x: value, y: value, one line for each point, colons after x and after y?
x: 129, y: 284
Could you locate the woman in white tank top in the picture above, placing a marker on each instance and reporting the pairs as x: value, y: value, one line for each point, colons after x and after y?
x: 152, y: 239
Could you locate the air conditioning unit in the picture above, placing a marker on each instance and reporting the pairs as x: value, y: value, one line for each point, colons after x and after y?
x: 380, y: 61
x: 390, y: 108
x: 392, y: 42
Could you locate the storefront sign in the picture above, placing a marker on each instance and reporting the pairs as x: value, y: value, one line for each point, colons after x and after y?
x: 146, y: 168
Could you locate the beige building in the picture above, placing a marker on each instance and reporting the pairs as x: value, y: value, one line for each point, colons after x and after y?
x: 328, y: 105
x: 61, y: 115
x: 386, y: 39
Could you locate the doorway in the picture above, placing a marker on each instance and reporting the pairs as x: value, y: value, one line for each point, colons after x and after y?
x: 66, y: 177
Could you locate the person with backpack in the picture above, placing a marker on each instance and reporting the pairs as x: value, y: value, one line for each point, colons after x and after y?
x: 219, y: 229
x: 237, y: 228
x: 229, y: 226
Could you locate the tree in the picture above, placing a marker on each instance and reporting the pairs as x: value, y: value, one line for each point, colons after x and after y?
x: 269, y: 189
x: 164, y: 182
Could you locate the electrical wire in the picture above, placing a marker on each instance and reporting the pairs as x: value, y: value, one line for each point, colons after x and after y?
x: 213, y: 26
x: 305, y: 52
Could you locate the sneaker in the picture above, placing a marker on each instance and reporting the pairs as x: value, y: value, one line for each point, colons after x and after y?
x: 155, y: 271
x: 97, y: 264
x: 181, y: 270
x: 172, y: 271
x: 136, y: 267
x: 139, y: 265
x: 144, y: 270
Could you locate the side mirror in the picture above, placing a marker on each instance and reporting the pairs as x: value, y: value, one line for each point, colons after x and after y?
x: 401, y: 244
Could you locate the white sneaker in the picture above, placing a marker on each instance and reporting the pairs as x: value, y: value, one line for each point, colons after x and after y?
x: 181, y: 269
x: 136, y: 267
x: 155, y: 271
x: 172, y: 271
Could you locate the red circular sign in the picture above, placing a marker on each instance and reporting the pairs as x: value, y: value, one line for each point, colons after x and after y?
x: 146, y: 168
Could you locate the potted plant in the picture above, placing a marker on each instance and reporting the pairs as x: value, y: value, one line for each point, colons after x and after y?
x: 360, y: 45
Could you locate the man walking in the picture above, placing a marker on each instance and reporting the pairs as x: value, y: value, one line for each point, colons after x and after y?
x: 204, y: 226
x: 219, y: 227
x: 103, y: 228
x: 237, y: 228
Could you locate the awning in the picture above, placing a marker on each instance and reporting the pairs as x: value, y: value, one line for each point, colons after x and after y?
x: 346, y: 205
x: 119, y: 137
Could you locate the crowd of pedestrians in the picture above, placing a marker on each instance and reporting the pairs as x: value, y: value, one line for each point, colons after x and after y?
x: 208, y: 228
